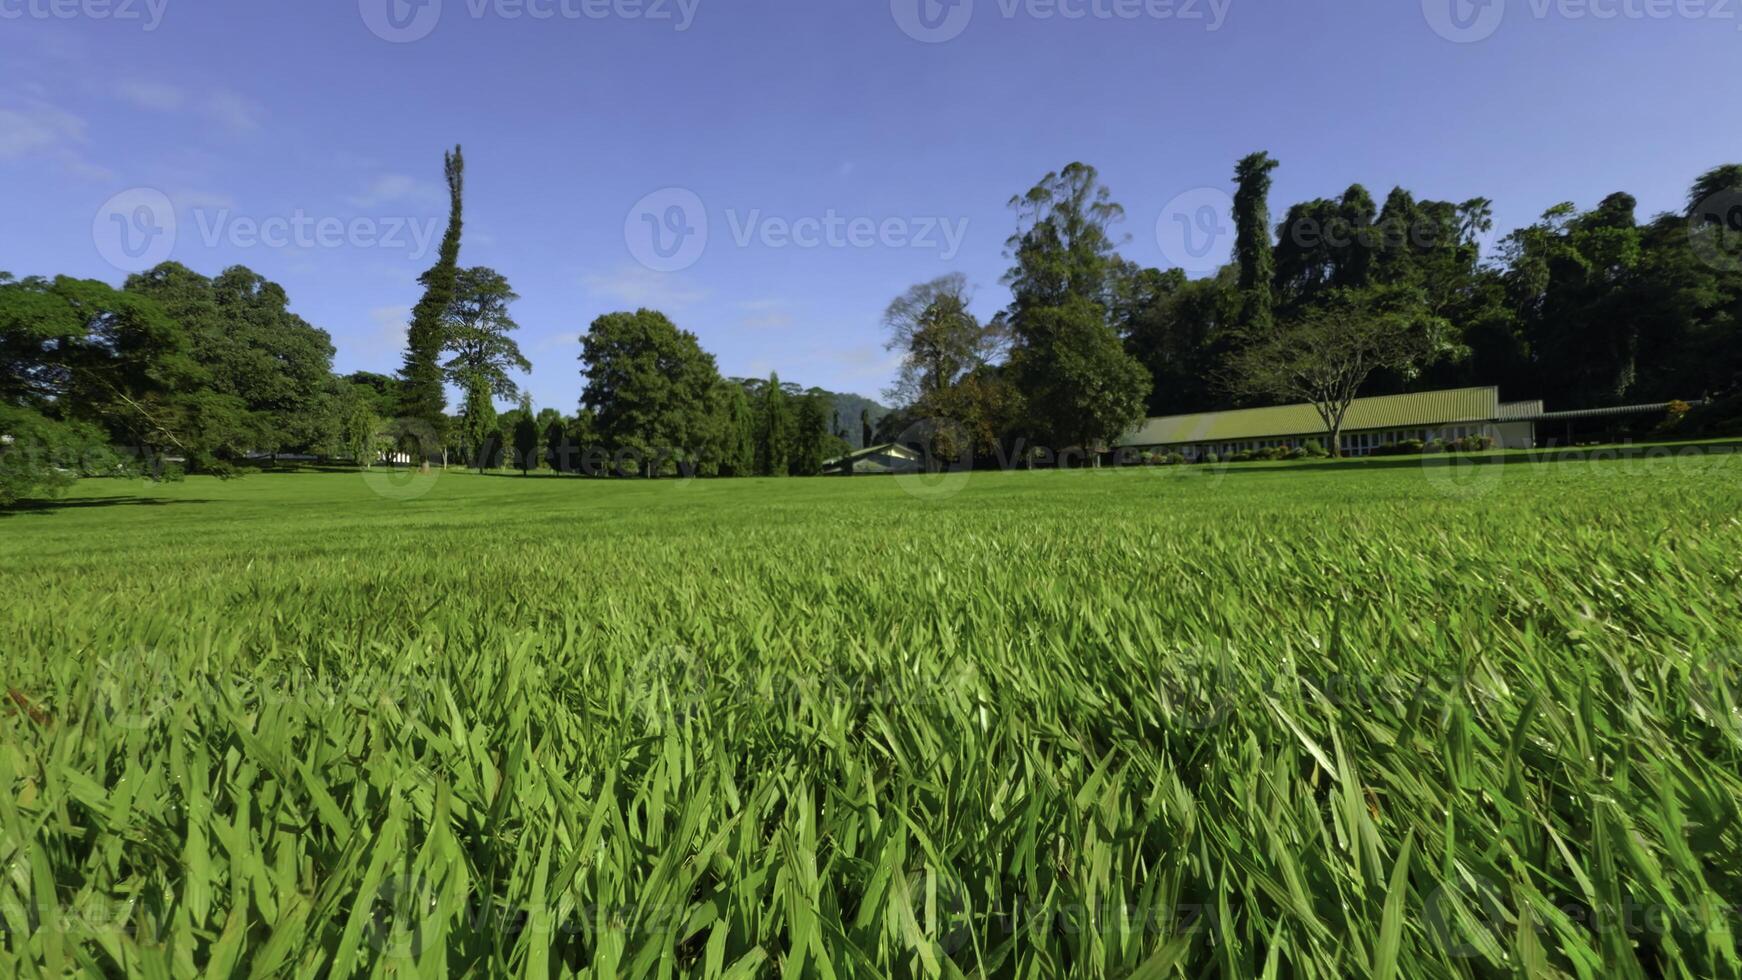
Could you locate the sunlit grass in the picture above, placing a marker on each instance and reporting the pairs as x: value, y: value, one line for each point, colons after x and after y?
x: 1387, y: 719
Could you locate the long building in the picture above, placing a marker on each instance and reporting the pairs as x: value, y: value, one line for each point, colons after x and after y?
x: 1372, y: 423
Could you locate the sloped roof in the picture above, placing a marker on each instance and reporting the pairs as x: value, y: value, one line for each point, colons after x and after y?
x: 1429, y: 408
x: 1517, y: 411
x: 889, y: 448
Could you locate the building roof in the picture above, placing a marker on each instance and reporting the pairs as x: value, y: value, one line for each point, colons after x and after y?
x: 1429, y: 408
x: 1597, y: 413
x: 1520, y: 411
x: 887, y: 449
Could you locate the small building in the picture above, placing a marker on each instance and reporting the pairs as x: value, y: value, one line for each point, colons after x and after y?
x: 876, y: 460
x: 1371, y: 424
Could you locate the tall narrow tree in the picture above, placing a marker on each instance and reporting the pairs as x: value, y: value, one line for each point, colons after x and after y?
x: 423, y: 398
x: 1254, y: 248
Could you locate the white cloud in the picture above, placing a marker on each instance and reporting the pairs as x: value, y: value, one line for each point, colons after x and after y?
x: 31, y: 127
x: 231, y: 110
x: 226, y: 108
x: 766, y: 314
x: 395, y: 188
x: 156, y: 96
x: 641, y: 287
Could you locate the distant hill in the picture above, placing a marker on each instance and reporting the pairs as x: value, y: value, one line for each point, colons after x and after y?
x: 849, y: 406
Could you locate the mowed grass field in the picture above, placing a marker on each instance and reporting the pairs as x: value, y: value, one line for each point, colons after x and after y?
x: 1336, y: 720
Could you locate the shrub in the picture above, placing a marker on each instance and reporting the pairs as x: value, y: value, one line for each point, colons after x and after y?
x: 1408, y: 447
x: 1315, y: 449
x: 1473, y: 444
x: 1173, y: 459
x: 1212, y: 458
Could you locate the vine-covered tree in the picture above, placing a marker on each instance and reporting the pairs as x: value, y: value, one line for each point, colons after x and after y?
x: 1253, y: 247
x: 423, y: 399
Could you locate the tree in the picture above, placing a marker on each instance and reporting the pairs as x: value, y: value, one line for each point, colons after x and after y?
x: 1325, y: 355
x: 481, y: 427
x: 355, y: 423
x: 651, y: 386
x: 268, y: 368
x: 423, y: 398
x: 1063, y: 246
x: 939, y: 339
x: 735, y: 453
x: 866, y: 433
x: 526, y: 435
x: 1082, y: 388
x: 812, y: 443
x: 774, y: 443
x: 477, y: 333
x: 1253, y: 247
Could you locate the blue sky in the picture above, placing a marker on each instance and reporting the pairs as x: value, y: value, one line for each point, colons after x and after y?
x: 305, y: 139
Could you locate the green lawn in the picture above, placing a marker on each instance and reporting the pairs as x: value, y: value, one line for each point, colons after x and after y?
x: 1385, y: 718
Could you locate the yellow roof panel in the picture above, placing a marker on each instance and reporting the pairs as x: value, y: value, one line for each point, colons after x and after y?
x: 1429, y: 408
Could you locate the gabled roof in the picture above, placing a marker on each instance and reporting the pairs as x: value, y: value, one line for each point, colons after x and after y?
x: 1429, y: 408
x: 887, y: 449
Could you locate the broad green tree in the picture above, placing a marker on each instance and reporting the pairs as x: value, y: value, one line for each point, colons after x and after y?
x: 650, y: 385
x: 1327, y: 353
x: 1083, y: 390
x: 478, y: 334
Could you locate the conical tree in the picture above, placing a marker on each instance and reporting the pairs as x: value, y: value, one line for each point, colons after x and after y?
x: 423, y: 400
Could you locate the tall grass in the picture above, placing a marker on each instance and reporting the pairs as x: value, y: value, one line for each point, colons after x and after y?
x: 1329, y: 722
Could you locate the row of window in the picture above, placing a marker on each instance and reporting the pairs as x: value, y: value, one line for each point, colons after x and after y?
x: 1355, y: 444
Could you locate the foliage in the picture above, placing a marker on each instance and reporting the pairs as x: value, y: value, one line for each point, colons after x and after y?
x: 1082, y: 389
x: 1254, y: 251
x: 651, y: 386
x: 477, y: 334
x: 1325, y: 355
x: 423, y: 398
